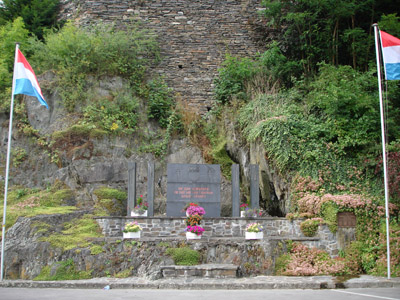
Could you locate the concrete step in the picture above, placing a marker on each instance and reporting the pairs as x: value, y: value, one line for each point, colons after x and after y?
x: 205, y: 270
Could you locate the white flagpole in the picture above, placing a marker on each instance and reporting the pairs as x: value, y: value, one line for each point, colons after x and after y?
x: 378, y: 63
x: 7, y: 170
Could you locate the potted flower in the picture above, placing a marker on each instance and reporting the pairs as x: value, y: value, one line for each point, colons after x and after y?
x: 187, y: 206
x: 194, y: 232
x: 254, y: 231
x: 140, y: 210
x: 193, y: 220
x: 243, y: 208
x: 132, y: 230
x: 195, y: 210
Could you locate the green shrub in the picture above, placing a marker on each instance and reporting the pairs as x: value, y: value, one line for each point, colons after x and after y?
x: 117, y: 115
x: 329, y: 211
x: 160, y: 102
x: 74, y: 53
x: 184, y: 256
x: 233, y: 75
x: 310, y: 227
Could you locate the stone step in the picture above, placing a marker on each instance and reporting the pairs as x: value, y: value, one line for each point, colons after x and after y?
x: 205, y: 270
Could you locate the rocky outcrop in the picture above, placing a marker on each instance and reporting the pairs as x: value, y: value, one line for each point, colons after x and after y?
x: 274, y: 187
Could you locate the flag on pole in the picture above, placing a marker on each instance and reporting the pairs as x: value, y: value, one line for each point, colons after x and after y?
x: 391, y: 55
x: 25, y: 81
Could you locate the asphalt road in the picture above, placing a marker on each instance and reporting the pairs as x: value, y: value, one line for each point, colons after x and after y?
x: 139, y: 294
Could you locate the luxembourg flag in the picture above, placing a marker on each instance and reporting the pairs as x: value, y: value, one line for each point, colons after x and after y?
x: 391, y: 55
x: 25, y: 81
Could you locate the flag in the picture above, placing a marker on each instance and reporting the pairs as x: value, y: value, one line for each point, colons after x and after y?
x: 25, y: 81
x: 391, y: 55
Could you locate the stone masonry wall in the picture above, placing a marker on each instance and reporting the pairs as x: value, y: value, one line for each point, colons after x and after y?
x: 194, y: 36
x: 274, y: 228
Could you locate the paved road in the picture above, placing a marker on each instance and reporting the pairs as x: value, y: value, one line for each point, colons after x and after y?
x: 139, y: 294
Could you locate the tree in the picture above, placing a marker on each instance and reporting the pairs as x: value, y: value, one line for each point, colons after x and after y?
x: 37, y: 14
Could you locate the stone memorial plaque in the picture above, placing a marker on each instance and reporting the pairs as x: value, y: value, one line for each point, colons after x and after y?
x: 198, y: 183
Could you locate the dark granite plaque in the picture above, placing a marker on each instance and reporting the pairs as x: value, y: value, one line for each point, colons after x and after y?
x: 198, y: 183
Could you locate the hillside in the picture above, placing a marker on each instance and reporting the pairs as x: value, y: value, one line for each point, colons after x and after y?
x: 194, y: 83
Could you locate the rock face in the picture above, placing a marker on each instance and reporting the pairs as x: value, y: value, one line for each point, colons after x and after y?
x: 274, y: 187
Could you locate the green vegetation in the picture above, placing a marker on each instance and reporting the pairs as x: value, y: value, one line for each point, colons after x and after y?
x: 109, y: 201
x: 311, y: 99
x: 24, y: 202
x: 37, y: 14
x: 65, y: 271
x: 96, y: 249
x: 75, y: 234
x: 184, y: 256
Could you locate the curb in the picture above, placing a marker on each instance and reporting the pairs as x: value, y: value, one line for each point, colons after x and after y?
x: 259, y: 282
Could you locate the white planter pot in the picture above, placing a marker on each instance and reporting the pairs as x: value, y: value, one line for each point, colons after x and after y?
x: 254, y: 235
x: 135, y: 214
x: 192, y: 236
x: 242, y: 213
x: 131, y: 235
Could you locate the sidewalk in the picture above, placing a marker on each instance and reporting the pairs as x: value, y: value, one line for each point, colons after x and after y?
x: 259, y: 282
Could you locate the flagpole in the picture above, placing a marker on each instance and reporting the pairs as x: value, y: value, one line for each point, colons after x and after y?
x: 7, y: 170
x: 378, y: 62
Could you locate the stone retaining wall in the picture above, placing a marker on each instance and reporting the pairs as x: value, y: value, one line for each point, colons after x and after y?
x: 194, y: 36
x: 274, y: 228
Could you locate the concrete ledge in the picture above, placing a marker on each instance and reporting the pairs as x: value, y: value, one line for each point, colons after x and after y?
x: 259, y: 282
x: 205, y: 271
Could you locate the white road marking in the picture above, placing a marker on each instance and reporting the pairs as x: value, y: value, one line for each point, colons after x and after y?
x: 366, y: 295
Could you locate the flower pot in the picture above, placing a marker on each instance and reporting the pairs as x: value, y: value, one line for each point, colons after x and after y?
x: 192, y: 236
x: 254, y: 235
x: 132, y: 235
x: 135, y: 214
x: 242, y: 213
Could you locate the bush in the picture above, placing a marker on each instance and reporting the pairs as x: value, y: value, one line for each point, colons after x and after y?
x: 184, y: 256
x: 160, y: 102
x: 74, y: 53
x: 310, y: 227
x: 232, y: 78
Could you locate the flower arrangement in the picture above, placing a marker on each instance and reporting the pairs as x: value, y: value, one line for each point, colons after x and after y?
x: 254, y: 227
x: 188, y: 205
x: 198, y: 230
x: 193, y: 220
x: 243, y: 206
x: 141, y: 206
x: 195, y: 210
x: 132, y: 227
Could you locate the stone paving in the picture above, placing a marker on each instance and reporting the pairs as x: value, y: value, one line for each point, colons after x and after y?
x: 258, y: 282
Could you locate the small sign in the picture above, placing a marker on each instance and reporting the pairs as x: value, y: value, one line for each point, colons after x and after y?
x: 346, y: 219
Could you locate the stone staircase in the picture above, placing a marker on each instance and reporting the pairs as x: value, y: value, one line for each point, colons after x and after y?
x: 205, y: 271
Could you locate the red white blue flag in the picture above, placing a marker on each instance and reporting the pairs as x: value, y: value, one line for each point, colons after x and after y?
x: 391, y: 55
x: 25, y: 81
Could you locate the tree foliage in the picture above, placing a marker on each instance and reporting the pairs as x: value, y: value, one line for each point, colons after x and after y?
x: 337, y: 32
x: 37, y: 14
